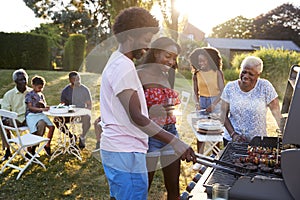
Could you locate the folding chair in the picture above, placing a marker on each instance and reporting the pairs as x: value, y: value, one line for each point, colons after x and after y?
x: 185, y: 98
x: 19, y: 143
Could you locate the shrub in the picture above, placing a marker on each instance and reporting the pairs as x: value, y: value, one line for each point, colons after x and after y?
x: 277, y: 64
x: 24, y: 50
x: 230, y: 75
x: 74, y: 52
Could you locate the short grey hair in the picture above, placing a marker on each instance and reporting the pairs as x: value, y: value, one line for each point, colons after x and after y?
x: 253, y: 61
x: 19, y: 71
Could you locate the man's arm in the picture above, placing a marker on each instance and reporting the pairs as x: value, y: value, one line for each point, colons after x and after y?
x: 89, y: 104
x: 89, y: 99
x: 63, y: 96
x: 5, y: 104
x: 130, y: 101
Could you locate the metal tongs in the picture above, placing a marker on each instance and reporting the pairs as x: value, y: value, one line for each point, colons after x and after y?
x: 217, y: 164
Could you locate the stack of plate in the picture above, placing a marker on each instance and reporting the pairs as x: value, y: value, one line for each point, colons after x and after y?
x: 209, y: 126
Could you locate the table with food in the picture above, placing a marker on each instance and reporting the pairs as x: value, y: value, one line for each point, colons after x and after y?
x: 207, y: 128
x: 66, y: 144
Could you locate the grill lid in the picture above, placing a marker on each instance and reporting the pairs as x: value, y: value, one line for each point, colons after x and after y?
x: 292, y: 106
x: 290, y: 158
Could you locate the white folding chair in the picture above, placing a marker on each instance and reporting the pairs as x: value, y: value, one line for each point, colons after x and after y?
x: 185, y: 98
x: 19, y: 143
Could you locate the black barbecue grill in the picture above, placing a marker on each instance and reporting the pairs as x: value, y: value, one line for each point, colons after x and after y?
x: 258, y: 184
x: 253, y: 185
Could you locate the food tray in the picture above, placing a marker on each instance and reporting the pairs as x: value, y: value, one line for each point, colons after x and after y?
x: 59, y: 110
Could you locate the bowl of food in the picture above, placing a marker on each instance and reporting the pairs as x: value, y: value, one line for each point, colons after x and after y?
x: 60, y: 109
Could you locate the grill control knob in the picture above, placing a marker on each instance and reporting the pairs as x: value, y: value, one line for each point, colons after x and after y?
x: 190, y: 186
x: 185, y: 196
x: 202, y: 169
x: 197, y: 177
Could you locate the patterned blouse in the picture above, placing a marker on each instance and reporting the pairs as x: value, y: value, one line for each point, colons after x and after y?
x: 248, y: 109
x: 159, y: 96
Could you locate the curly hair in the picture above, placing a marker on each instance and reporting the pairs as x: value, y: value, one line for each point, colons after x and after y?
x: 38, y: 80
x: 213, y: 55
x: 159, y: 45
x: 134, y: 18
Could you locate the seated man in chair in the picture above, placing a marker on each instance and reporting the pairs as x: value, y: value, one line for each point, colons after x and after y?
x: 79, y: 95
x: 14, y: 100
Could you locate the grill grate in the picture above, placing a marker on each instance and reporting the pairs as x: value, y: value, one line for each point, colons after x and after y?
x: 218, y: 176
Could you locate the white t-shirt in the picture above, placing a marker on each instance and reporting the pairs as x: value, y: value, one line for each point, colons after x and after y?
x: 247, y: 110
x: 119, y: 134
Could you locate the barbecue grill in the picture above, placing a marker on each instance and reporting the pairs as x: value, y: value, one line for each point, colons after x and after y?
x: 259, y: 184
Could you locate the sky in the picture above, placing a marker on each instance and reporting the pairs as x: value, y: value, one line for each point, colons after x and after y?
x: 15, y: 16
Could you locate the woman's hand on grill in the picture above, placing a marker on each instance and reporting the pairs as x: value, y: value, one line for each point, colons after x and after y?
x: 239, y: 138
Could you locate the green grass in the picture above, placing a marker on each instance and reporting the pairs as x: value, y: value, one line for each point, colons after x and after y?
x: 68, y: 178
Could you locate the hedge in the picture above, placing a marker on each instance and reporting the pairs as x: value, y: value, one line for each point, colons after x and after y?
x: 24, y: 50
x: 74, y: 52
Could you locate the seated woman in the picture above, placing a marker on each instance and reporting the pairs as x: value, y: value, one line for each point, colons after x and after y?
x: 161, y: 99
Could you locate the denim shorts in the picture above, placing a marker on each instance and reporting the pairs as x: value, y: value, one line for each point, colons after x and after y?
x: 158, y: 148
x: 126, y: 173
x: 33, y: 118
x: 205, y: 102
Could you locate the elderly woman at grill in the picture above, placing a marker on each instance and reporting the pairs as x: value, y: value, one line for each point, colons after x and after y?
x: 245, y: 102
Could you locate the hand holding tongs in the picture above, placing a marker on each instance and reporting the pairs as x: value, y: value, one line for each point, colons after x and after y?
x: 209, y: 161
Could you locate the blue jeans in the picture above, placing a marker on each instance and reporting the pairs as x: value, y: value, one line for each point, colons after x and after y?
x: 126, y: 173
x: 157, y: 147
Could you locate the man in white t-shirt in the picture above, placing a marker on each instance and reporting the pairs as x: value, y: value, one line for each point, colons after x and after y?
x: 125, y: 122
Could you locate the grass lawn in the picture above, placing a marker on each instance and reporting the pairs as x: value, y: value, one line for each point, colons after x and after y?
x: 68, y: 178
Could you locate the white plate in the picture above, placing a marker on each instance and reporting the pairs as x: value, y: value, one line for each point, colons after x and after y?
x: 209, y: 124
x: 60, y: 110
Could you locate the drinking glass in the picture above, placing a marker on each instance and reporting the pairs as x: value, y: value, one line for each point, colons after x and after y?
x: 220, y: 192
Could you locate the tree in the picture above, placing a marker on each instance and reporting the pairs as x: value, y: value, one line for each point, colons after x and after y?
x: 93, y: 18
x: 56, y: 41
x: 52, y: 31
x: 238, y: 27
x: 117, y: 6
x: 89, y: 17
x: 170, y: 15
x: 281, y: 23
